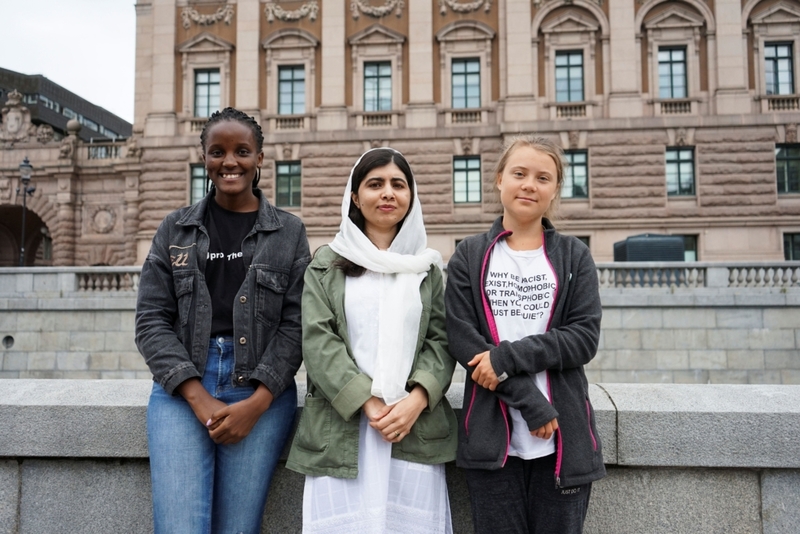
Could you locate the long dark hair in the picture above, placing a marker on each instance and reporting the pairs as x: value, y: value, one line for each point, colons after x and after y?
x: 233, y: 114
x: 379, y: 157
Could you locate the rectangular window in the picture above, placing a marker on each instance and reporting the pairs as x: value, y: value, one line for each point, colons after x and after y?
x: 680, y: 171
x: 287, y: 184
x: 466, y: 83
x: 206, y: 92
x: 778, y: 68
x: 576, y: 182
x: 690, y: 248
x: 378, y: 86
x: 89, y: 123
x: 787, y: 167
x: 197, y: 186
x: 583, y: 239
x: 569, y: 76
x: 466, y: 179
x: 69, y: 113
x: 292, y: 90
x: 791, y: 247
x: 672, y: 72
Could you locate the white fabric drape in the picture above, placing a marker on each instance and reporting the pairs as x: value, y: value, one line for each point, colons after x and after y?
x: 408, y: 261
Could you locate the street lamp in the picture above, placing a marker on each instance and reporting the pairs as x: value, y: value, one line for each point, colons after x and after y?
x: 25, y: 171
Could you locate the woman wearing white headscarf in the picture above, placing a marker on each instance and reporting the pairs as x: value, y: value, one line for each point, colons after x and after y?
x: 376, y: 428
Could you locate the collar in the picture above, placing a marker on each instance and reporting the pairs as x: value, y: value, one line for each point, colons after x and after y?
x: 266, y: 220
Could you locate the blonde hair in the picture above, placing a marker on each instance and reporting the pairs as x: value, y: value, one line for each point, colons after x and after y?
x: 543, y: 145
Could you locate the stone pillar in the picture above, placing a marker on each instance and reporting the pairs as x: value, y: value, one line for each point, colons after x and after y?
x: 131, y: 227
x: 144, y: 62
x: 64, y: 231
x: 519, y: 98
x: 161, y: 119
x: 624, y: 99
x: 248, y: 19
x: 732, y: 96
x: 332, y: 113
x: 421, y: 110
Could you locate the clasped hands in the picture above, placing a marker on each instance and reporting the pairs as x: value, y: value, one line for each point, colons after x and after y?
x: 485, y: 376
x: 394, y: 422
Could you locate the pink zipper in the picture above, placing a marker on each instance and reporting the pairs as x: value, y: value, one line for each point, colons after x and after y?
x: 559, y: 444
x: 469, y: 410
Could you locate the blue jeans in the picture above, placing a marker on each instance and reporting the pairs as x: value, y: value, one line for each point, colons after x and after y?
x: 202, y: 487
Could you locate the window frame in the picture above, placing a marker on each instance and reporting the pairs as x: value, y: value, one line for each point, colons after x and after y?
x: 294, y: 93
x: 569, y: 172
x: 209, y: 108
x: 678, y: 150
x: 788, y: 253
x: 379, y: 101
x: 466, y: 74
x: 469, y: 171
x: 569, y: 53
x: 786, y: 181
x: 767, y: 82
x: 671, y: 76
x: 204, y: 52
x: 289, y: 202
x: 197, y: 183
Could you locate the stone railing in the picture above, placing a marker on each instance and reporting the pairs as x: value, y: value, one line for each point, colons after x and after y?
x: 699, y: 274
x: 48, y: 282
x: 680, y: 459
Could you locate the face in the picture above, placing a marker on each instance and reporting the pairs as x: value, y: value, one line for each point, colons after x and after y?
x: 232, y: 158
x: 383, y: 198
x: 528, y: 184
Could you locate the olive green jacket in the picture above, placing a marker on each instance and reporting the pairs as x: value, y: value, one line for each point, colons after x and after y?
x: 326, y: 441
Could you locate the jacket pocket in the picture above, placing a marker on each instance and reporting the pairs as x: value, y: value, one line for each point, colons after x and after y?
x: 433, y: 425
x: 270, y: 287
x: 184, y: 293
x: 314, y: 430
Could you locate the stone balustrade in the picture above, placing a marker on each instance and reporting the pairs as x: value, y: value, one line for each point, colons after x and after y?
x: 680, y: 459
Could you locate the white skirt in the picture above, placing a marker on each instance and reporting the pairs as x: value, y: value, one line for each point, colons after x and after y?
x: 389, y: 495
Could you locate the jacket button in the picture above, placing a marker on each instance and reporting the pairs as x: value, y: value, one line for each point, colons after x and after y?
x: 240, y: 379
x: 242, y: 299
x: 242, y: 340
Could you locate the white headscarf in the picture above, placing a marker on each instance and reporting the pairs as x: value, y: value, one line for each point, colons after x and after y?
x: 408, y: 260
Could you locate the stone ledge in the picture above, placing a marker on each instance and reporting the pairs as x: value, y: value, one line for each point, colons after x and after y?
x: 639, y: 424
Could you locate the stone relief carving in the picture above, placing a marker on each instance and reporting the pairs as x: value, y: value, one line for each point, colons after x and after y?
x: 133, y: 150
x: 102, y: 219
x: 574, y: 138
x: 44, y: 133
x: 466, y: 146
x: 287, y: 153
x: 680, y: 137
x: 189, y: 15
x: 16, y: 125
x: 67, y: 148
x: 791, y: 133
x: 464, y: 8
x: 274, y: 11
x: 362, y: 6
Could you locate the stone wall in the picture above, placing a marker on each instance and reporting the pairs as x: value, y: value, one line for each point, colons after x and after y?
x: 51, y: 328
x: 680, y: 459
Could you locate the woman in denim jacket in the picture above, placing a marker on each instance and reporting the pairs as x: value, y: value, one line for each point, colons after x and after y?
x: 376, y: 428
x: 218, y: 323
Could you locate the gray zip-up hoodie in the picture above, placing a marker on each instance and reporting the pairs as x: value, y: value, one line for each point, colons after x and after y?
x: 569, y: 343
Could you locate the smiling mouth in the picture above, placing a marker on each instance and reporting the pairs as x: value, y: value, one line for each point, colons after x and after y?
x: 230, y: 176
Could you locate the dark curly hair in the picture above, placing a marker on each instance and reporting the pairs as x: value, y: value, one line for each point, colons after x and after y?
x: 233, y: 114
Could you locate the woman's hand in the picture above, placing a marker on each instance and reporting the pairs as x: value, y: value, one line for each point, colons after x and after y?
x: 232, y: 423
x: 484, y: 372
x: 375, y: 408
x: 202, y: 403
x: 397, y: 422
x: 545, y: 431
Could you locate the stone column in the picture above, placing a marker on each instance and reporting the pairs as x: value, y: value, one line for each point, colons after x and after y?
x: 519, y: 98
x: 421, y: 110
x: 624, y: 99
x: 64, y: 232
x: 248, y: 19
x: 161, y: 119
x: 144, y: 62
x: 131, y: 228
x: 731, y: 96
x: 332, y: 114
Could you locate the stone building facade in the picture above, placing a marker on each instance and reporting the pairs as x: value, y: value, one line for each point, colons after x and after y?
x: 679, y: 117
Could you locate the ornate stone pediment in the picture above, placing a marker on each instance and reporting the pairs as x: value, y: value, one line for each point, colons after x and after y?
x: 675, y: 17
x: 289, y: 38
x: 375, y: 35
x: 570, y: 22
x: 16, y: 125
x: 468, y: 30
x: 780, y: 13
x: 206, y: 42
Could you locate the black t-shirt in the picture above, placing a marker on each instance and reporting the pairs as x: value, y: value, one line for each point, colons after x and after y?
x: 225, y: 268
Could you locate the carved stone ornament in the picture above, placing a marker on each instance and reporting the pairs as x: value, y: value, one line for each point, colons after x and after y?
x: 67, y: 148
x: 362, y: 6
x: 16, y: 125
x: 574, y: 139
x: 680, y: 137
x: 538, y: 3
x: 189, y: 15
x: 44, y: 133
x: 103, y: 219
x: 376, y: 143
x: 273, y: 11
x: 469, y: 7
x: 133, y: 150
x: 287, y: 153
x: 466, y: 146
x: 791, y: 133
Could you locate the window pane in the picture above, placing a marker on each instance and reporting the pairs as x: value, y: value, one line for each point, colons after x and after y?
x: 466, y: 179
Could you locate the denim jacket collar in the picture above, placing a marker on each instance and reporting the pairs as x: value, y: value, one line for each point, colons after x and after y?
x: 266, y: 221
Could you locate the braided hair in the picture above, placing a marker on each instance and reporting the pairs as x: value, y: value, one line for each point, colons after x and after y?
x: 232, y: 114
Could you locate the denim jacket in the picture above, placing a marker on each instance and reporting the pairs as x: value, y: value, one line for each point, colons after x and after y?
x: 173, y: 309
x: 326, y: 441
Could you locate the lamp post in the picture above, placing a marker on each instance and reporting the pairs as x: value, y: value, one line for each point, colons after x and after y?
x: 25, y: 171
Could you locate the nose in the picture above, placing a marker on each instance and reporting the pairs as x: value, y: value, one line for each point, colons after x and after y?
x: 529, y: 183
x: 387, y: 191
x: 229, y: 160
